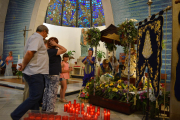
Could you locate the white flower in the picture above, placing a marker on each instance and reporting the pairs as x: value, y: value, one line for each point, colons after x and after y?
x: 152, y: 97
x: 160, y: 93
x: 134, y: 20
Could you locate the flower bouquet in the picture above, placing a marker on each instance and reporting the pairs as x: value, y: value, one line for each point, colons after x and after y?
x: 84, y: 94
x: 106, y: 78
x: 93, y: 37
x: 127, y: 33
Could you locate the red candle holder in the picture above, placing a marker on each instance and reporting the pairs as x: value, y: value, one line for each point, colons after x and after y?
x: 72, y: 118
x: 105, y: 116
x: 79, y: 118
x: 82, y: 112
x: 65, y: 107
x: 27, y: 118
x: 64, y: 117
x: 32, y: 115
x: 108, y: 115
x: 58, y: 117
x: 74, y: 102
x: 37, y: 118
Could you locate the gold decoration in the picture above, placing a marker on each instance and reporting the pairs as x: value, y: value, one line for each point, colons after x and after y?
x: 147, y: 48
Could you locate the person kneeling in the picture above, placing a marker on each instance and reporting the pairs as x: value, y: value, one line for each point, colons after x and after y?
x: 104, y: 67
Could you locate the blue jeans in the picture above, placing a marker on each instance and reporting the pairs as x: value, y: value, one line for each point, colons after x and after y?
x: 36, y: 88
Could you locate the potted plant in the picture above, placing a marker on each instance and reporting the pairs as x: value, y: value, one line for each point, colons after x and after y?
x: 70, y: 53
x: 100, y: 55
x: 19, y: 73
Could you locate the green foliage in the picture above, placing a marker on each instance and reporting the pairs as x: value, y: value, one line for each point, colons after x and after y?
x: 70, y: 53
x: 19, y: 73
x: 93, y: 37
x: 110, y: 47
x: 100, y: 54
x: 128, y: 33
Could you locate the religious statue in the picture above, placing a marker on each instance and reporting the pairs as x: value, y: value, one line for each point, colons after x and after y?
x: 132, y: 65
x: 84, y: 44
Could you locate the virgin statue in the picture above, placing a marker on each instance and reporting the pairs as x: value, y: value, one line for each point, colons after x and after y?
x: 84, y: 44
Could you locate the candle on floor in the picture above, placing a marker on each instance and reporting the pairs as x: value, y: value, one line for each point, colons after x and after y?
x: 65, y: 107
x: 108, y: 115
x: 74, y: 102
x: 82, y: 112
x: 64, y: 117
x: 74, y: 110
x: 77, y: 112
x: 104, y: 110
x: 105, y: 116
x: 87, y: 109
x: 58, y: 117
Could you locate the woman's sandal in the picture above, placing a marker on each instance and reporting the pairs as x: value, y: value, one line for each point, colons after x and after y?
x: 63, y: 100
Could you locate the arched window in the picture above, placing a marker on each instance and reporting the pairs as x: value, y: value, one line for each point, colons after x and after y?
x: 76, y: 13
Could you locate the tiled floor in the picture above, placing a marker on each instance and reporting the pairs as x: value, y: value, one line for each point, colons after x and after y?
x: 11, y: 98
x: 77, y: 83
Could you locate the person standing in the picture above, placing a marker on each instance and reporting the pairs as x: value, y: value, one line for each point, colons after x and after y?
x: 9, y: 62
x: 35, y: 64
x: 64, y: 76
x: 115, y: 65
x: 88, y: 61
x: 52, y: 81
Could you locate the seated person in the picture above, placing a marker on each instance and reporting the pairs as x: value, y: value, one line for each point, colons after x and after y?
x: 104, y: 67
x: 115, y: 65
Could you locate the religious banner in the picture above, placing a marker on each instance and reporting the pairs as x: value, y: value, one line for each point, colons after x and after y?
x: 149, y: 48
x: 177, y: 82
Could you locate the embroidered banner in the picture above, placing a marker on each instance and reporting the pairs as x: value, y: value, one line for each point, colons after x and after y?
x: 177, y: 83
x: 149, y: 48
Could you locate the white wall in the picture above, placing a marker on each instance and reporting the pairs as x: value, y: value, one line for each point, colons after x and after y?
x: 69, y: 37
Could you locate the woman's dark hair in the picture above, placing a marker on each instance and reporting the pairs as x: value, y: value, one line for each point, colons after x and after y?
x: 92, y: 52
x: 48, y: 42
x: 65, y: 55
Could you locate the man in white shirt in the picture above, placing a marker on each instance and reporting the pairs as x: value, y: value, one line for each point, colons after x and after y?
x: 34, y: 66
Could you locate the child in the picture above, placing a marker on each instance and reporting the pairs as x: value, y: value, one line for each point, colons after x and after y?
x: 64, y: 76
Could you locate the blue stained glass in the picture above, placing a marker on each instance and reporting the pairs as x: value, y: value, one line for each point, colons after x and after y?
x: 69, y: 13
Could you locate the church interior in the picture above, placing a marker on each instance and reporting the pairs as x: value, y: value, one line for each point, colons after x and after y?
x: 123, y: 58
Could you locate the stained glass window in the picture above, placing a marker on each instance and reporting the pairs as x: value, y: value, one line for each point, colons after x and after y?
x: 53, y: 15
x: 98, y: 13
x: 84, y: 13
x: 69, y: 13
x: 71, y: 18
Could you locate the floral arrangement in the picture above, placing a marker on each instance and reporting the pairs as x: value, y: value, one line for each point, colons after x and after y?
x: 127, y: 33
x: 93, y: 37
x: 114, y: 89
x: 106, y: 78
x: 117, y: 90
x: 84, y: 94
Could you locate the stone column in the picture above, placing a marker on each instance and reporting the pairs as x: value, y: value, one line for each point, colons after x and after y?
x: 38, y: 15
x: 3, y: 10
x: 174, y: 104
x: 108, y: 14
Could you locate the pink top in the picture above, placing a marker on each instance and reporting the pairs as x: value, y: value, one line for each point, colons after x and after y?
x: 9, y: 58
x: 65, y: 66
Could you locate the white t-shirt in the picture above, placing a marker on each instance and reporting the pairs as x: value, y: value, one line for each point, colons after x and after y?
x: 115, y: 65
